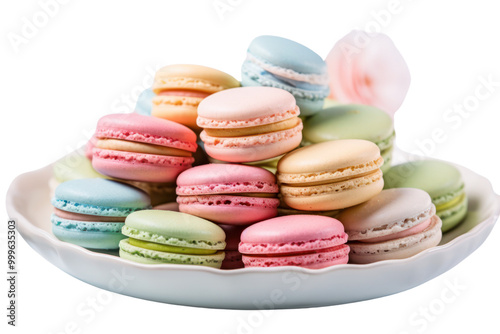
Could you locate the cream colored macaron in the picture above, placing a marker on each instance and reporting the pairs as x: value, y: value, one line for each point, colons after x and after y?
x: 331, y: 175
x: 180, y: 88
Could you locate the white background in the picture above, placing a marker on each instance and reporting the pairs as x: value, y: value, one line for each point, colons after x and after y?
x: 91, y: 55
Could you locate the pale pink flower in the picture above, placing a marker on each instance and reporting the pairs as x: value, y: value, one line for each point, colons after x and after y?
x: 368, y: 69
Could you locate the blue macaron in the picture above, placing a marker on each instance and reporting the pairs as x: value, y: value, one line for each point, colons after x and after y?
x: 145, y: 102
x: 91, y: 212
x: 279, y: 62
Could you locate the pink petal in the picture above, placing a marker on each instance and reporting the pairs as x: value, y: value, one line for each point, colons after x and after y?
x: 368, y: 69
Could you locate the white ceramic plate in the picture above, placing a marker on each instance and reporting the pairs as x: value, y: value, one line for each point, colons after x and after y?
x: 255, y: 288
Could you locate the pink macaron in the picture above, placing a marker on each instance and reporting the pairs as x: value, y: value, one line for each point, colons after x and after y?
x: 307, y: 241
x: 142, y: 148
x: 228, y: 193
x: 248, y: 124
x: 232, y: 259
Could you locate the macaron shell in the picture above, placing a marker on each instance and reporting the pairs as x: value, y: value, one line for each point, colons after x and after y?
x: 292, y: 234
x: 350, y: 121
x: 314, y: 159
x: 146, y: 129
x: 334, y: 196
x: 93, y: 235
x: 363, y: 253
x: 224, y: 179
x: 317, y: 260
x: 194, y: 77
x: 146, y: 256
x: 288, y: 54
x: 74, y: 166
x: 100, y: 197
x: 441, y: 180
x: 140, y: 166
x: 225, y: 209
x: 251, y: 106
x: 252, y: 148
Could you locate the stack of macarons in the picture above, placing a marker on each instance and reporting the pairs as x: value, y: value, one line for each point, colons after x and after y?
x: 263, y: 173
x: 441, y: 180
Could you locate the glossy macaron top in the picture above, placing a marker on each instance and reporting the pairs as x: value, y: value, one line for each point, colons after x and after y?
x: 292, y: 234
x: 350, y: 121
x: 246, y: 107
x: 146, y: 129
x: 175, y: 229
x: 441, y: 180
x: 335, y: 157
x: 388, y: 212
x: 225, y: 179
x: 193, y: 77
x: 100, y: 197
x: 288, y: 54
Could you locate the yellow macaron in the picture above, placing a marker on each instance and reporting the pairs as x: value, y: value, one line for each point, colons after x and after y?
x: 180, y: 88
x: 331, y: 175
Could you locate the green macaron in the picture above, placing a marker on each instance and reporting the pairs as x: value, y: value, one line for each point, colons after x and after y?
x: 157, y: 236
x: 442, y: 181
x: 352, y: 121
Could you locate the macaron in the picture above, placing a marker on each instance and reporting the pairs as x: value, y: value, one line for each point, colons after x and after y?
x: 249, y: 124
x: 142, y: 148
x: 232, y: 258
x: 159, y: 236
x: 282, y: 63
x: 330, y: 175
x: 91, y: 212
x: 73, y: 166
x: 395, y: 224
x: 144, y: 103
x: 306, y: 241
x: 352, y: 121
x: 180, y: 88
x: 441, y: 180
x: 228, y: 193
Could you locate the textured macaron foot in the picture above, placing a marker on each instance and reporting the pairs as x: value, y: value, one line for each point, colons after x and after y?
x: 303, y: 240
x: 249, y: 124
x: 228, y: 193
